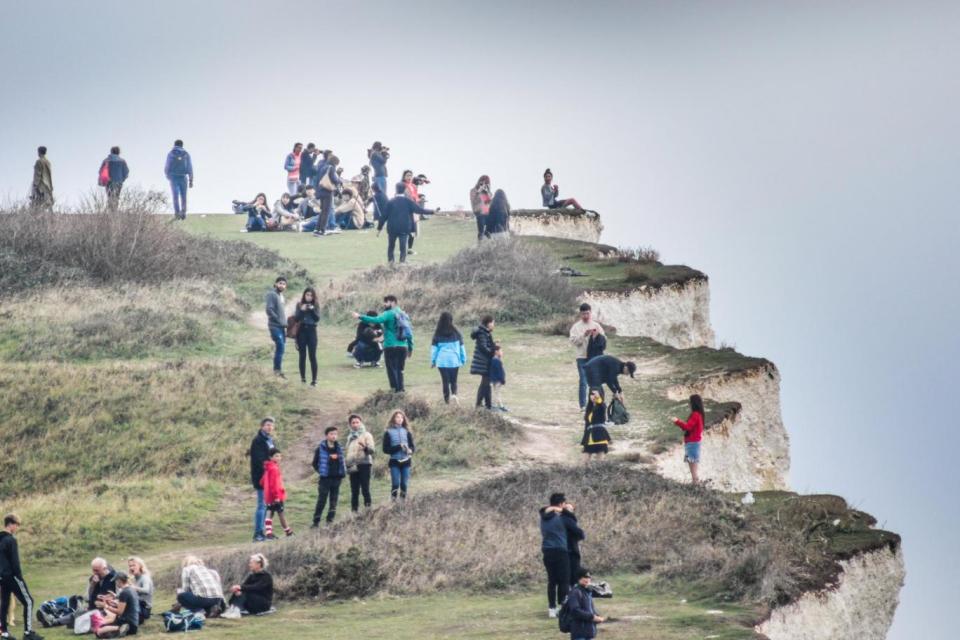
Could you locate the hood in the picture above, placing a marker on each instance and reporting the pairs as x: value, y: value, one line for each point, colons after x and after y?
x: 480, y: 330
x: 113, y: 157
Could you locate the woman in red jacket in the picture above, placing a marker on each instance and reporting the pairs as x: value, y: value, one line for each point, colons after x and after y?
x: 692, y: 434
x: 274, y: 494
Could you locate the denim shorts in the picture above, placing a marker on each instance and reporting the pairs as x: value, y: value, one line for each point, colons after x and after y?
x: 691, y: 452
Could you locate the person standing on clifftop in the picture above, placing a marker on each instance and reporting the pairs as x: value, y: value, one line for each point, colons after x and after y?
x: 277, y: 323
x: 292, y: 166
x: 179, y: 171
x: 584, y: 332
x: 113, y: 173
x: 41, y: 191
x: 692, y: 435
x: 550, y: 193
x: 480, y: 198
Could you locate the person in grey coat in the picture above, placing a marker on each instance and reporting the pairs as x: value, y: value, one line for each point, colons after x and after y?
x: 277, y: 322
x: 482, y: 354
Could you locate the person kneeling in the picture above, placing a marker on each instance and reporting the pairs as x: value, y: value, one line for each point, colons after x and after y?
x: 123, y: 612
x: 255, y: 595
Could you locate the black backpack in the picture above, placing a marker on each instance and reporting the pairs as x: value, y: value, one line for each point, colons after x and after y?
x: 564, y: 618
x: 596, y: 346
x: 178, y: 163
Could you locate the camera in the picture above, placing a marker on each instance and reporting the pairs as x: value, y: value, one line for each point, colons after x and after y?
x: 421, y: 179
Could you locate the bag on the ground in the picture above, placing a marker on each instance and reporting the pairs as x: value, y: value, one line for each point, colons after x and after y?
x: 103, y: 179
x: 183, y: 621
x: 404, y: 326
x: 293, y: 326
x: 564, y: 618
x: 58, y: 611
x: 83, y: 623
x: 617, y: 413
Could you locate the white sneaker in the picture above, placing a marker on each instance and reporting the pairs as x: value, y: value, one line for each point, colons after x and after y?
x: 455, y: 400
x: 232, y: 613
x: 551, y: 613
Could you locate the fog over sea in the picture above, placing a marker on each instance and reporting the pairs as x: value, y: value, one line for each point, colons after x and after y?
x: 804, y: 155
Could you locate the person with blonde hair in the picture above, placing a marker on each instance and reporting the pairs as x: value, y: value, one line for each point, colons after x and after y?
x: 142, y: 585
x: 255, y: 594
x: 398, y: 444
x: 200, y: 588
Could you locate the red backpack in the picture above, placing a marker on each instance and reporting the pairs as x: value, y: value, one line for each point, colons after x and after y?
x: 104, y: 177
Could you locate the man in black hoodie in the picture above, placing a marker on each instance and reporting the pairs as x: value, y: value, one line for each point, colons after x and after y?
x: 606, y: 369
x: 575, y: 536
x: 399, y: 221
x: 11, y: 581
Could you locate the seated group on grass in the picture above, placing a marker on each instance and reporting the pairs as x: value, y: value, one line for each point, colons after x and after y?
x: 304, y: 211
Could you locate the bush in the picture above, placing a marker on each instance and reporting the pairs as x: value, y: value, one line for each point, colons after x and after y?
x: 352, y: 574
x: 627, y: 255
x: 515, y: 281
x: 102, y: 246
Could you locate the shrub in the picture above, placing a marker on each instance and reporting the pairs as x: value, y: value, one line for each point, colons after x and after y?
x: 351, y: 574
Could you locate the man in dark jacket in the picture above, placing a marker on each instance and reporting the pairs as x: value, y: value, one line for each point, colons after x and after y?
x: 482, y: 355
x: 11, y: 580
x: 308, y: 165
x: 583, y: 615
x: 556, y: 558
x: 399, y: 222
x: 102, y: 582
x: 179, y: 171
x: 260, y: 453
x: 605, y: 370
x: 118, y: 171
x: 330, y: 463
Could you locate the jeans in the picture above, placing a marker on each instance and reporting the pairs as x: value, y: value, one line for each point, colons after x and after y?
x: 255, y: 223
x: 557, y: 564
x: 311, y: 224
x: 293, y: 187
x: 360, y: 483
x: 481, y: 226
x: 583, y: 381
x: 484, y: 392
x: 391, y: 240
x: 327, y: 487
x: 448, y: 378
x: 497, y: 393
x: 188, y: 600
x: 382, y: 181
x: 307, y: 345
x: 279, y: 337
x: 396, y: 358
x: 366, y: 352
x: 399, y: 480
x: 327, y: 217
x: 178, y: 185
x: 259, y: 515
x: 113, y: 195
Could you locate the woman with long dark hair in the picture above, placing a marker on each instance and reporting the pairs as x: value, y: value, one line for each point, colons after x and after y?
x: 398, y: 444
x: 483, y: 347
x: 692, y: 434
x: 480, y: 203
x: 308, y: 315
x: 257, y: 213
x: 498, y: 220
x: 448, y: 354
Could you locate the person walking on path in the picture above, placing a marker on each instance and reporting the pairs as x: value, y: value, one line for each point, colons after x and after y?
x: 550, y: 193
x: 41, y: 189
x: 575, y: 536
x: 480, y: 204
x: 556, y: 555
x: 308, y: 315
x: 277, y: 323
x: 292, y: 166
x: 606, y: 370
x: 399, y: 222
x: 448, y: 354
x: 179, y: 171
x: 585, y: 330
x: 692, y: 435
x: 12, y: 583
x: 483, y: 345
x: 397, y: 339
x: 596, y: 438
x: 113, y: 173
x: 329, y: 462
x: 398, y: 444
x: 260, y: 448
x: 498, y: 378
x: 359, y: 452
x: 378, y: 155
x: 274, y: 494
x: 583, y: 615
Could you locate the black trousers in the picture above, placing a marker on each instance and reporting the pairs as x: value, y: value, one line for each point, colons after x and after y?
x: 14, y: 586
x: 327, y: 487
x: 481, y: 226
x: 360, y: 483
x: 395, y: 359
x: 557, y: 563
x: 448, y: 378
x: 392, y: 239
x: 307, y: 345
x: 574, y: 567
x: 253, y: 603
x: 484, y: 393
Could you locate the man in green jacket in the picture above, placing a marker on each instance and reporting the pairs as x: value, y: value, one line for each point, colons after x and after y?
x: 397, y: 339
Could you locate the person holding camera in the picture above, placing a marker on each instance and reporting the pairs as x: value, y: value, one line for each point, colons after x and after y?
x: 378, y: 155
x: 582, y: 333
x: 308, y: 316
x: 480, y: 198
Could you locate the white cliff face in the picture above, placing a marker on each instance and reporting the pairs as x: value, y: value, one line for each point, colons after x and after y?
x: 859, y: 607
x: 676, y: 315
x: 749, y: 452
x: 556, y: 224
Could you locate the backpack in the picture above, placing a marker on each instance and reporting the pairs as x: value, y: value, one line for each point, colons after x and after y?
x: 178, y: 163
x: 103, y: 178
x: 564, y: 617
x: 596, y: 346
x: 56, y: 612
x: 404, y: 326
x: 185, y: 621
x: 617, y: 413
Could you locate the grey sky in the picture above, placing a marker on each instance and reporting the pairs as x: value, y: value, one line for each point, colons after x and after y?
x: 803, y: 155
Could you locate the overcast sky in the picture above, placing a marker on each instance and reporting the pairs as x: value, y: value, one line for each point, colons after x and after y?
x: 804, y: 156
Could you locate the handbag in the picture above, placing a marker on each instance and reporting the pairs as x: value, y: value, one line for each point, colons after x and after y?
x: 327, y: 183
x: 293, y: 326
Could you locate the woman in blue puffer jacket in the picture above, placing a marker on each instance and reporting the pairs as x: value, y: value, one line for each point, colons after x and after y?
x: 448, y: 355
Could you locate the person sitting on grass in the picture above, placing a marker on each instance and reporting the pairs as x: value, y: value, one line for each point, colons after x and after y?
x: 583, y: 615
x: 550, y: 192
x: 122, y: 612
x: 596, y: 438
x: 367, y: 346
x: 309, y: 208
x: 284, y: 216
x: 692, y: 434
x: 351, y: 214
x: 102, y: 582
x: 274, y: 494
x: 142, y: 584
x: 255, y: 594
x: 258, y: 214
x: 200, y: 588
x: 498, y: 378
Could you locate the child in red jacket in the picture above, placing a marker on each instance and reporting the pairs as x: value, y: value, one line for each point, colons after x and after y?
x: 692, y: 434
x: 274, y: 494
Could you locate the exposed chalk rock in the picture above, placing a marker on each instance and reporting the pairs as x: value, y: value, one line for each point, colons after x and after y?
x: 557, y: 223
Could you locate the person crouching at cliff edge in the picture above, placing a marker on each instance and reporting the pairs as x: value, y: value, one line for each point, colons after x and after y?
x: 692, y: 434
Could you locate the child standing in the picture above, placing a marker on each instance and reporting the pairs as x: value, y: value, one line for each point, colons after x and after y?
x: 274, y: 494
x: 329, y: 463
x: 596, y: 438
x: 498, y: 377
x: 692, y: 434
